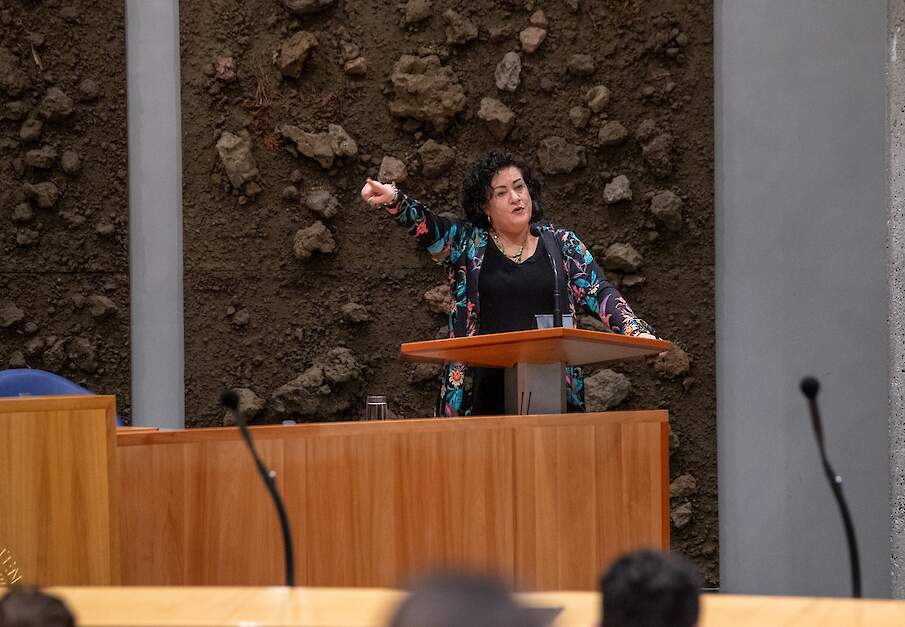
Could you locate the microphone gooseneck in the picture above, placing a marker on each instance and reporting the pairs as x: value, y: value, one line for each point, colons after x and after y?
x: 230, y: 400
x: 809, y: 387
x: 557, y: 308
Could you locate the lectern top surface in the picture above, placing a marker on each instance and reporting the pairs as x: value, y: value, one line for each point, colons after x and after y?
x: 574, y: 347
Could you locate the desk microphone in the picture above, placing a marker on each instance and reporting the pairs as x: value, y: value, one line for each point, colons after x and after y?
x: 809, y: 387
x: 230, y: 400
x: 557, y: 309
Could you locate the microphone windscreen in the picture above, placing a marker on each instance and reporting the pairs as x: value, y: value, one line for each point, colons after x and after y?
x: 809, y: 387
x: 230, y: 399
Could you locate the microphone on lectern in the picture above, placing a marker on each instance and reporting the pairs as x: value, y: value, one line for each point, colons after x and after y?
x: 557, y: 308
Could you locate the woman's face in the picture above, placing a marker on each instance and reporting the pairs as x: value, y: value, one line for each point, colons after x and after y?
x: 509, y: 208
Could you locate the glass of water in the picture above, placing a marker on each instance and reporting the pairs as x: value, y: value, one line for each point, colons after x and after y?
x: 376, y: 407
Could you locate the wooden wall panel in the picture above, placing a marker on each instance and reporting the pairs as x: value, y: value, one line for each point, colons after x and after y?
x: 541, y: 500
x: 382, y: 508
x: 58, y: 508
x: 230, y: 519
x: 198, y: 513
x: 633, y: 482
x: 152, y: 514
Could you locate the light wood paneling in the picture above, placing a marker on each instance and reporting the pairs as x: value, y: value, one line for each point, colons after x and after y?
x: 198, y: 513
x: 368, y: 607
x: 58, y: 507
x: 153, y: 520
x: 372, y: 504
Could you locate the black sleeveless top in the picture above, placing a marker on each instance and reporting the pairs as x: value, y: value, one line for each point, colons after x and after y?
x: 509, y: 295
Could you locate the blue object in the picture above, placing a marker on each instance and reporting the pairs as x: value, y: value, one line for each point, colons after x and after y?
x: 34, y: 382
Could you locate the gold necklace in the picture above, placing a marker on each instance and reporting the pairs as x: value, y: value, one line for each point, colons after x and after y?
x: 517, y: 257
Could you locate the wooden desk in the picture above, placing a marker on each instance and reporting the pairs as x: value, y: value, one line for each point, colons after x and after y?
x: 370, y: 607
x: 544, y: 501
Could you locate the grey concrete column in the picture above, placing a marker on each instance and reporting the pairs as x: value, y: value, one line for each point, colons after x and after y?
x: 896, y: 113
x: 801, y: 233
x: 155, y: 212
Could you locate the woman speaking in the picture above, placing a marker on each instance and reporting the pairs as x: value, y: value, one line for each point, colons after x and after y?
x: 500, y: 276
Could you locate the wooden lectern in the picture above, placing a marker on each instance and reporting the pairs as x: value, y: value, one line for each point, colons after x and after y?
x: 534, y: 360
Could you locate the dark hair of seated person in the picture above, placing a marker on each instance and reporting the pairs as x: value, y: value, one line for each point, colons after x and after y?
x: 28, y: 606
x: 650, y: 589
x: 461, y: 600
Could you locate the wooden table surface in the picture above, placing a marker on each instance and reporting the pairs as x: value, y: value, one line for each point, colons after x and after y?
x: 365, y: 607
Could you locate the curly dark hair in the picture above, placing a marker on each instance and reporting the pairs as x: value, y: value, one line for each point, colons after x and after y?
x: 476, y: 186
x: 646, y: 588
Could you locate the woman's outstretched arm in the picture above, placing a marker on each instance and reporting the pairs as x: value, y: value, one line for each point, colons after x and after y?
x: 434, y: 233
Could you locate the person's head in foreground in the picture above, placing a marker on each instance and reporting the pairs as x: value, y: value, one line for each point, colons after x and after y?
x: 650, y: 589
x: 29, y: 607
x: 460, y: 600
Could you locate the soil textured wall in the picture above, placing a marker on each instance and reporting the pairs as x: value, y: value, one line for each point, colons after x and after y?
x: 300, y: 293
x: 64, y: 276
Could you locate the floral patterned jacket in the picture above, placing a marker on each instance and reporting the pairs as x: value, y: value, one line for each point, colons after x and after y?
x: 460, y: 245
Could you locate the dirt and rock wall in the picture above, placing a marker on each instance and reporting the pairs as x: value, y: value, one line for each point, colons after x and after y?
x: 64, y: 275
x: 297, y: 291
x: 300, y: 293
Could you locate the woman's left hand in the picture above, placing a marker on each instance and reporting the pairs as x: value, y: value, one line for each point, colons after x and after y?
x: 653, y: 337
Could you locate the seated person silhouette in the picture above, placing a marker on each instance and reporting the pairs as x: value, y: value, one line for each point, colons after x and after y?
x: 464, y: 600
x: 650, y: 589
x: 29, y: 607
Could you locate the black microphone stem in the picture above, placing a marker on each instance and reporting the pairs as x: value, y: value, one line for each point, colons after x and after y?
x: 268, y: 477
x: 836, y: 486
x: 557, y: 307
x: 231, y: 400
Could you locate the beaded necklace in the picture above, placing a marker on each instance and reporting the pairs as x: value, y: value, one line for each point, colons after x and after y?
x: 517, y: 257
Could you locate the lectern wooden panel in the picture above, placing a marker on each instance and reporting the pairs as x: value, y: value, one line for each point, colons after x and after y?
x: 573, y: 347
x: 59, y: 522
x: 542, y: 500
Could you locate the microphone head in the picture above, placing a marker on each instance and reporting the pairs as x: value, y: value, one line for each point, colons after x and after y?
x: 230, y: 399
x: 809, y: 387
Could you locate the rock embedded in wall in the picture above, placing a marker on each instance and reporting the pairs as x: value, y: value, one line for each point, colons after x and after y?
x: 237, y: 159
x: 558, y: 156
x: 436, y: 158
x: 617, y: 190
x: 497, y: 116
x: 622, y: 256
x: 508, y: 73
x: 306, y: 7
x: 323, y: 147
x: 426, y: 90
x: 666, y: 207
x: 312, y: 239
x: 323, y: 203
x: 459, y: 29
x: 294, y: 52
x: 392, y: 170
